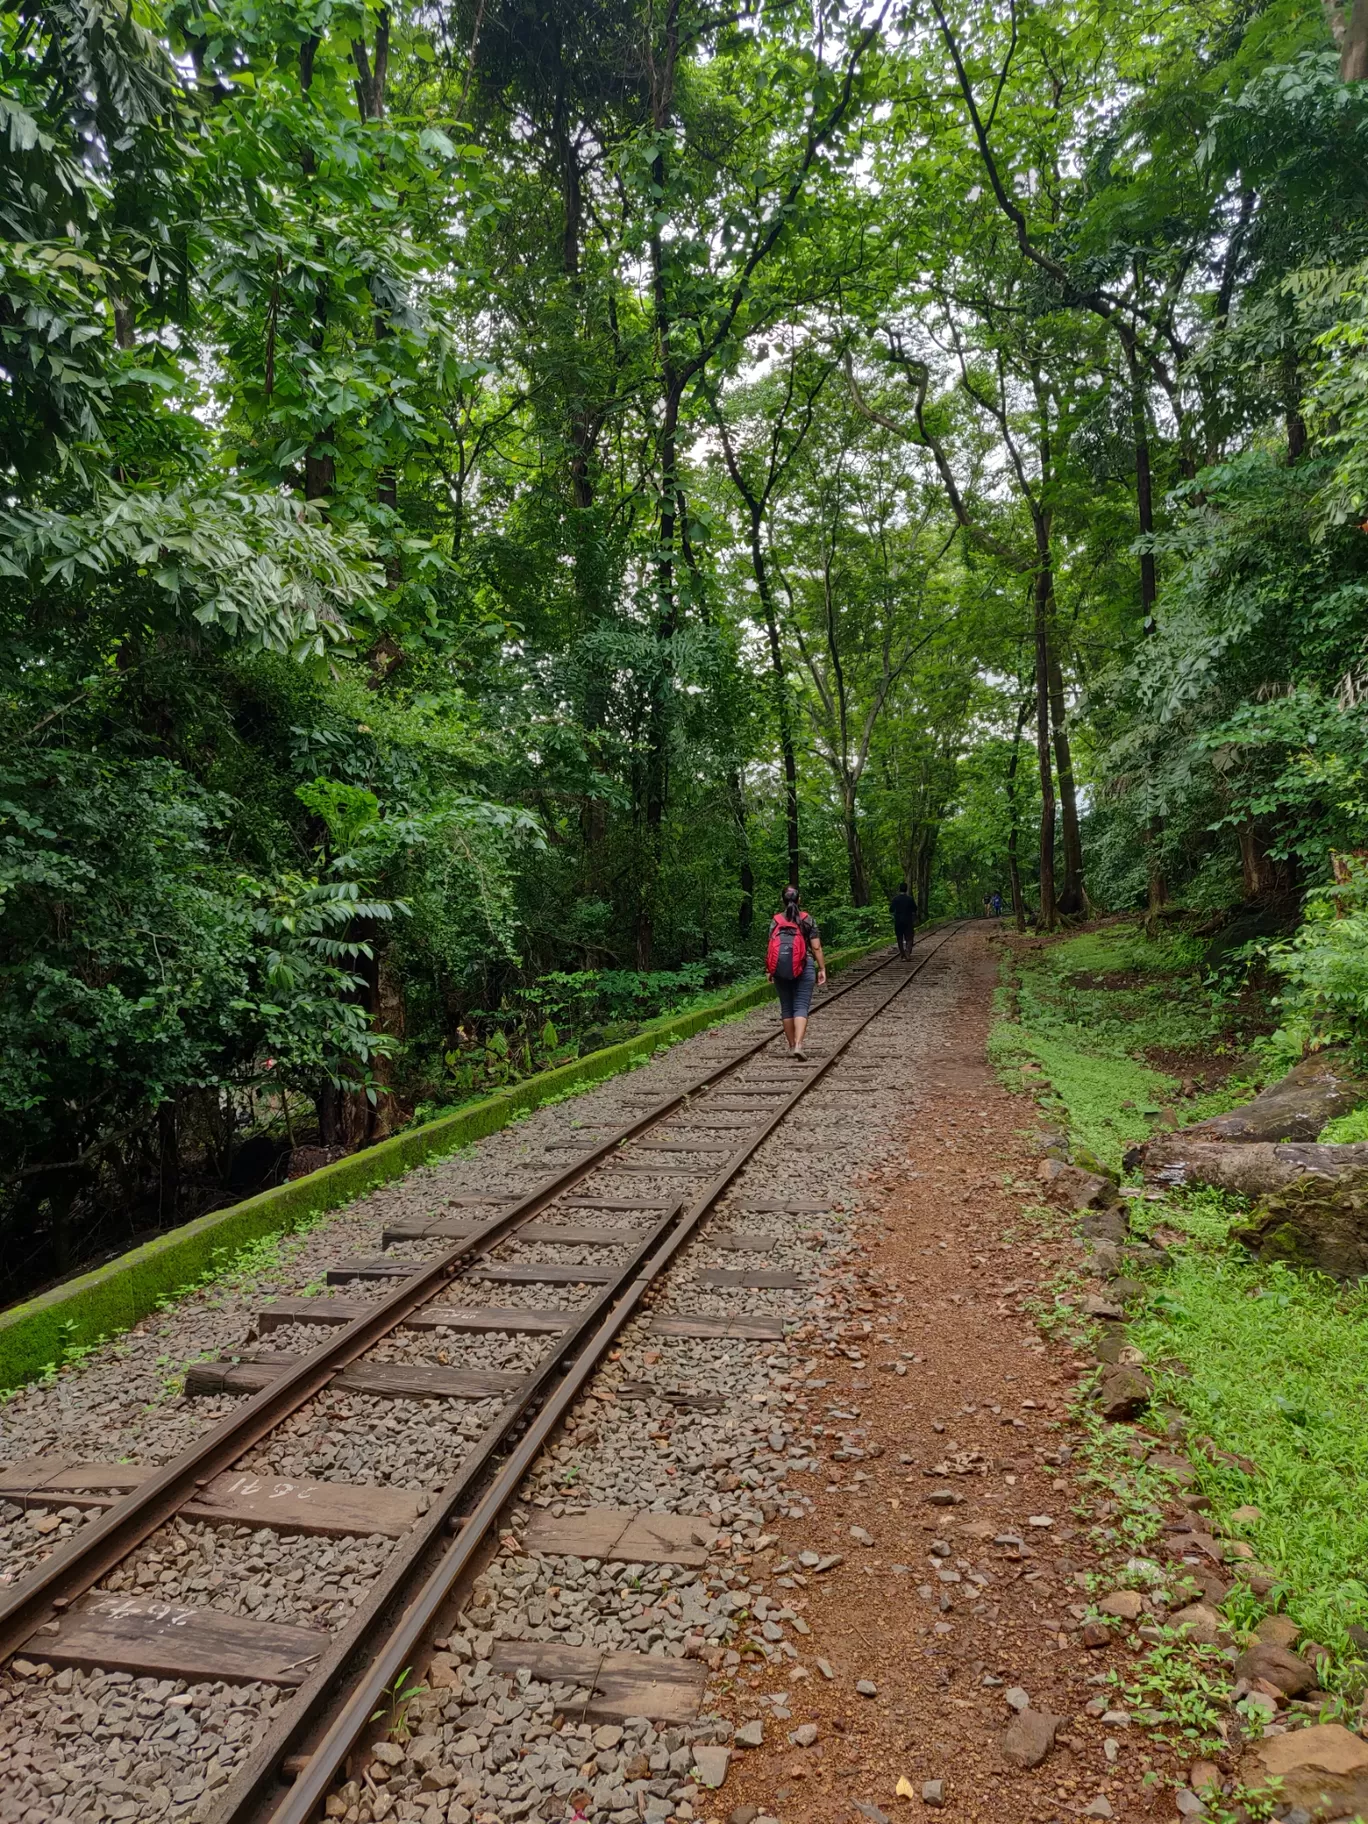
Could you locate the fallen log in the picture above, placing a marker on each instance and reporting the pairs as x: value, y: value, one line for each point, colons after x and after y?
x: 1255, y: 1169
x: 1296, y: 1108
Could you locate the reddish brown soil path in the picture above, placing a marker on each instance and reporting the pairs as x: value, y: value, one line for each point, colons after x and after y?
x: 945, y: 1278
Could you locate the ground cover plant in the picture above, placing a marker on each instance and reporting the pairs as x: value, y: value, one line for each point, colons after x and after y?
x: 1119, y: 1026
x: 1267, y: 1364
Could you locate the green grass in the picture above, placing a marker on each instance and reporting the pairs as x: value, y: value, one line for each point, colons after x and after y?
x: 1350, y: 1127
x: 1276, y: 1371
x: 1089, y: 1037
x: 1268, y: 1362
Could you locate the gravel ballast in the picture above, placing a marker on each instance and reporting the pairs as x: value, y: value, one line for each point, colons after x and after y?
x: 728, y: 1466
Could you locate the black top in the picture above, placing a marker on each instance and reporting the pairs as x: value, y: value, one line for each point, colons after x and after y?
x: 904, y: 910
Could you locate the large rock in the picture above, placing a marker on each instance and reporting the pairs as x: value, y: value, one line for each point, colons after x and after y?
x: 1297, y: 1108
x: 1258, y: 1169
x: 1123, y: 1393
x: 1073, y: 1188
x: 1315, y: 1222
x: 1324, y: 1770
x: 1276, y: 1666
x: 1028, y: 1738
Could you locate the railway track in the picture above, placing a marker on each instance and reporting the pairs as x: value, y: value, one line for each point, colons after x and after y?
x: 531, y: 1286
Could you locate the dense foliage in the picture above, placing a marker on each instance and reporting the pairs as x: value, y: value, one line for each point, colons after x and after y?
x: 491, y: 493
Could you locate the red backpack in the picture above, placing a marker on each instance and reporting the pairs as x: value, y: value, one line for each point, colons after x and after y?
x: 787, y: 954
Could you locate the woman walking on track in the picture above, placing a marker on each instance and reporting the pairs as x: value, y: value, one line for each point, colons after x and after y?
x: 796, y: 966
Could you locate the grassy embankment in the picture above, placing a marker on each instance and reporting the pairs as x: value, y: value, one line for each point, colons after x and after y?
x: 1268, y: 1362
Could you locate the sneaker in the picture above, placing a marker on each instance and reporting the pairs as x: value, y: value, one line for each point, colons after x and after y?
x: 798, y: 1052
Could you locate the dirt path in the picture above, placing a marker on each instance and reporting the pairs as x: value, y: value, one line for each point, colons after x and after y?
x: 936, y: 1614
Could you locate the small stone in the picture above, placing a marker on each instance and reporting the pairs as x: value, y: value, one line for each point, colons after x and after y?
x: 865, y: 1687
x: 1028, y: 1738
x: 1105, y: 1309
x: 389, y: 1754
x: 1096, y: 1634
x: 1205, y: 1776
x: 608, y: 1736
x: 750, y: 1735
x: 945, y: 1497
x: 710, y: 1765
x: 1018, y: 1697
x: 1189, y: 1805
x: 1100, y: 1808
x: 1040, y: 1520
x: 860, y: 1536
x: 824, y: 1666
x: 933, y: 1792
x: 744, y: 1814
x: 1246, y: 1516
x: 809, y: 1561
x: 804, y: 1735
x: 1126, y: 1605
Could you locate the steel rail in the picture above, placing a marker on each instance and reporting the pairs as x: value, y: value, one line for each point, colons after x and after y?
x: 77, y: 1566
x: 327, y: 1740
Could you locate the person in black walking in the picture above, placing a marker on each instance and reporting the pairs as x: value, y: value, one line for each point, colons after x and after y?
x: 903, y: 910
x: 796, y: 966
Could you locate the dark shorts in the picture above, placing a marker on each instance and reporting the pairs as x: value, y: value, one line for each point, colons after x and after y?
x: 796, y: 997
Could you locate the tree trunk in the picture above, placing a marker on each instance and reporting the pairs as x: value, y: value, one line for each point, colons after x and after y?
x: 1049, y: 911
x: 168, y: 1162
x: 859, y: 883
x: 782, y: 706
x: 658, y: 715
x: 1156, y: 896
x: 1144, y: 481
x: 1254, y: 1169
x: 1013, y: 864
x: 745, y: 915
x: 1353, y: 42
x: 923, y: 860
x: 1074, y: 898
x: 320, y: 472
x: 1259, y: 872
x: 1292, y: 412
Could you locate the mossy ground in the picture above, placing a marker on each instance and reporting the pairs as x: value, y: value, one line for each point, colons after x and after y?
x: 1268, y: 1362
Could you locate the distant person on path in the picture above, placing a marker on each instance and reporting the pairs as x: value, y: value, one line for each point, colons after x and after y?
x: 902, y: 909
x: 997, y: 904
x: 796, y: 966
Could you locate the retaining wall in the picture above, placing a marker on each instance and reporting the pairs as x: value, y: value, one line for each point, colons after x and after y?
x: 40, y: 1334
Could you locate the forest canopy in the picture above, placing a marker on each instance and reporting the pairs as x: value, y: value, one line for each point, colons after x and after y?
x: 492, y: 492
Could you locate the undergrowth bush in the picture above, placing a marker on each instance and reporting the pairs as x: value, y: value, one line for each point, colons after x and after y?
x: 1325, y: 967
